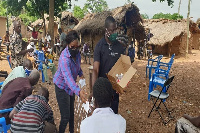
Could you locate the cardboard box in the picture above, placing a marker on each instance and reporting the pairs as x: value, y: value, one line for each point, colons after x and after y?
x: 123, y: 65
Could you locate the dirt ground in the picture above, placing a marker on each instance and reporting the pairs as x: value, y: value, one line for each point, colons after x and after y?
x: 135, y: 107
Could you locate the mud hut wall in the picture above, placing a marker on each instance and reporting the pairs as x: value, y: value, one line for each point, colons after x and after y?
x: 93, y: 39
x: 86, y: 38
x: 161, y: 49
x: 24, y: 32
x: 2, y: 26
x: 195, y: 41
x: 174, y: 46
x: 96, y: 39
x: 182, y: 48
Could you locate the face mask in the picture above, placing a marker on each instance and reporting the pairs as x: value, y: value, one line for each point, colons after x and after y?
x: 73, y: 52
x: 113, y: 37
x: 27, y: 71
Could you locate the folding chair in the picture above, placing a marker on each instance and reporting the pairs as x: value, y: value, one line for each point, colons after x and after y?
x: 3, y: 127
x: 160, y: 75
x: 151, y: 64
x: 160, y: 95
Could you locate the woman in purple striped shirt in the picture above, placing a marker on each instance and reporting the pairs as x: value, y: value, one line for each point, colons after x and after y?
x: 69, y: 67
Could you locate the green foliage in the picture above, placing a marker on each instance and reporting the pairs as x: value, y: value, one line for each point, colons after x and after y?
x: 169, y: 2
x: 94, y: 6
x: 35, y: 7
x: 78, y: 12
x: 27, y: 19
x: 145, y: 16
x: 174, y: 16
x: 3, y: 8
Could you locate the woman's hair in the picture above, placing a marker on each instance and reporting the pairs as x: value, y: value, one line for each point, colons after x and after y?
x: 71, y: 36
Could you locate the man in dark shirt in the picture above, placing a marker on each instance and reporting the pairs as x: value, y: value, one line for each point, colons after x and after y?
x: 16, y: 90
x: 106, y: 53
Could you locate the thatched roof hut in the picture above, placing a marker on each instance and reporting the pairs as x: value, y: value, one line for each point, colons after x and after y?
x: 164, y: 30
x: 128, y: 14
x: 40, y: 24
x: 198, y: 22
x: 68, y: 21
x: 171, y: 32
x: 93, y: 24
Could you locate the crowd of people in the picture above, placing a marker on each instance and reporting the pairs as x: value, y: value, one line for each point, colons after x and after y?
x: 32, y: 113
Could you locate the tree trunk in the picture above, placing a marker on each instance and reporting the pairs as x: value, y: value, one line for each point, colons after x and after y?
x: 188, y: 24
x: 179, y: 7
x: 51, y: 22
x: 7, y: 19
x: 44, y: 24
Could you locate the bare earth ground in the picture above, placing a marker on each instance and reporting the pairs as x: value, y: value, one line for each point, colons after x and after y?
x: 134, y: 106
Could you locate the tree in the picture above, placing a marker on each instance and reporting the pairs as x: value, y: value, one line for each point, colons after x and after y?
x: 188, y: 26
x: 145, y: 16
x: 174, y: 16
x: 179, y: 6
x: 94, y: 6
x: 3, y: 8
x: 170, y: 2
x: 78, y: 12
x: 35, y: 7
x: 51, y: 22
x: 27, y: 19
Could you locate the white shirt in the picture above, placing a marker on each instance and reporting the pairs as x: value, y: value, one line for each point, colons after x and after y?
x: 31, y: 45
x: 103, y: 120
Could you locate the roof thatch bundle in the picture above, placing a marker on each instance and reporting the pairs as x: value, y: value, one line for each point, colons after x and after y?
x: 164, y: 30
x: 39, y: 22
x: 127, y: 14
x: 68, y: 16
x: 92, y: 22
x: 198, y: 22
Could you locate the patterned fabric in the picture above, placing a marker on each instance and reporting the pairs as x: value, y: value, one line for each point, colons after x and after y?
x: 67, y: 72
x: 16, y: 47
x: 32, y: 112
x: 185, y: 126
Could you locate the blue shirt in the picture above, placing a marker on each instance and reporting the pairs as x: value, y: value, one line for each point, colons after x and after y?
x: 68, y: 70
x: 40, y: 55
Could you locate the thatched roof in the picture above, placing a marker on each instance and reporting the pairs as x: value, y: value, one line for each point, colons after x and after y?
x: 39, y: 22
x: 66, y: 14
x: 128, y: 14
x: 164, y: 30
x: 198, y: 22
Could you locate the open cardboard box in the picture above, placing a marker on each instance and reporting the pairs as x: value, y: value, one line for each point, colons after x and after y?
x: 123, y: 65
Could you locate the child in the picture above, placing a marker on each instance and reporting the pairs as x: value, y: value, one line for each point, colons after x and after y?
x: 30, y: 114
x: 41, y: 58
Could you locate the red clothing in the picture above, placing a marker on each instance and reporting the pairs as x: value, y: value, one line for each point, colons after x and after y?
x: 14, y: 91
x: 35, y: 34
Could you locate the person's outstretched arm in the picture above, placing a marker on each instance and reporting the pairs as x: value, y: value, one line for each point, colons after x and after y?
x: 194, y: 120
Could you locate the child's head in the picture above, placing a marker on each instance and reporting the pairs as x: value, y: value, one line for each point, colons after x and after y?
x: 44, y: 92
